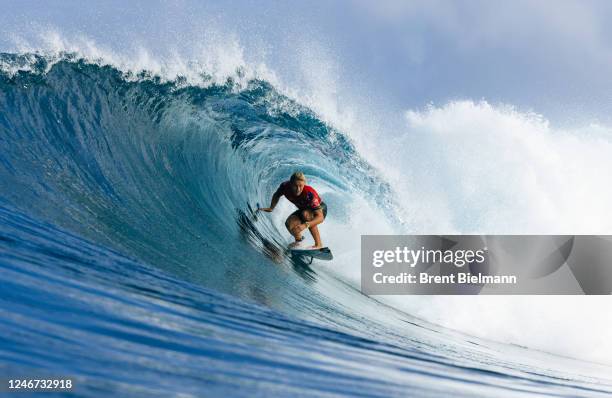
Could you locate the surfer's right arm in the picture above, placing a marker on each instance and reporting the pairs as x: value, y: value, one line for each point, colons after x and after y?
x: 275, y: 199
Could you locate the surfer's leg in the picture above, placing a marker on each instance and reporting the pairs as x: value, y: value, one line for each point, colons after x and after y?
x: 309, y: 215
x: 306, y: 215
x: 293, y: 221
x: 314, y: 230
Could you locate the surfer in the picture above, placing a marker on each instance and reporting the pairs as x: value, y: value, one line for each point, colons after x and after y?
x: 311, y: 209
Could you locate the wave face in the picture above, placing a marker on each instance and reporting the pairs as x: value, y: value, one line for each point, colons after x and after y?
x: 132, y: 258
x: 163, y: 172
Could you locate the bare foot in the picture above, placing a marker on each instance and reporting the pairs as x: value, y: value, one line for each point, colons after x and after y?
x: 316, y: 247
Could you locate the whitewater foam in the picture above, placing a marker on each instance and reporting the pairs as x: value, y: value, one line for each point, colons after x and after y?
x: 493, y: 169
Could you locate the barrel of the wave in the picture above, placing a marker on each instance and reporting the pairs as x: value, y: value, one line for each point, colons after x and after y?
x: 311, y: 211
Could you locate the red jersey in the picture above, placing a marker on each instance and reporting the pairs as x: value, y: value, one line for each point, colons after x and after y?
x: 308, y: 199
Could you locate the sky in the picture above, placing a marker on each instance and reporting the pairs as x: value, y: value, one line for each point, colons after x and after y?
x: 550, y: 57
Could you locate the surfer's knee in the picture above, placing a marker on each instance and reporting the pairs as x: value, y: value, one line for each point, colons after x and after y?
x: 307, y: 215
x: 291, y: 221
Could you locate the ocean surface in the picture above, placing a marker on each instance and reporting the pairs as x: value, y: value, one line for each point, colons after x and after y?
x: 132, y: 260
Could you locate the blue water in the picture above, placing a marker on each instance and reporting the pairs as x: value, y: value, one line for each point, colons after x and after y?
x: 131, y: 258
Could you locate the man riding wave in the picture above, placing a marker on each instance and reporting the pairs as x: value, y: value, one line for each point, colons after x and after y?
x: 311, y: 208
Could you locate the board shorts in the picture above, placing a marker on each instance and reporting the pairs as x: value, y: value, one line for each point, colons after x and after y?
x: 298, y: 212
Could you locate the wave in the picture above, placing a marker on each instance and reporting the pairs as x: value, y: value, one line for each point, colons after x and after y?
x: 122, y: 178
x: 166, y: 171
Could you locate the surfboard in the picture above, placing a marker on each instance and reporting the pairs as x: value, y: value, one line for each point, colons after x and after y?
x: 323, y: 253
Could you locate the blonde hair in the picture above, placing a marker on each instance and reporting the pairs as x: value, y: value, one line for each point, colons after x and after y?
x: 298, y: 175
